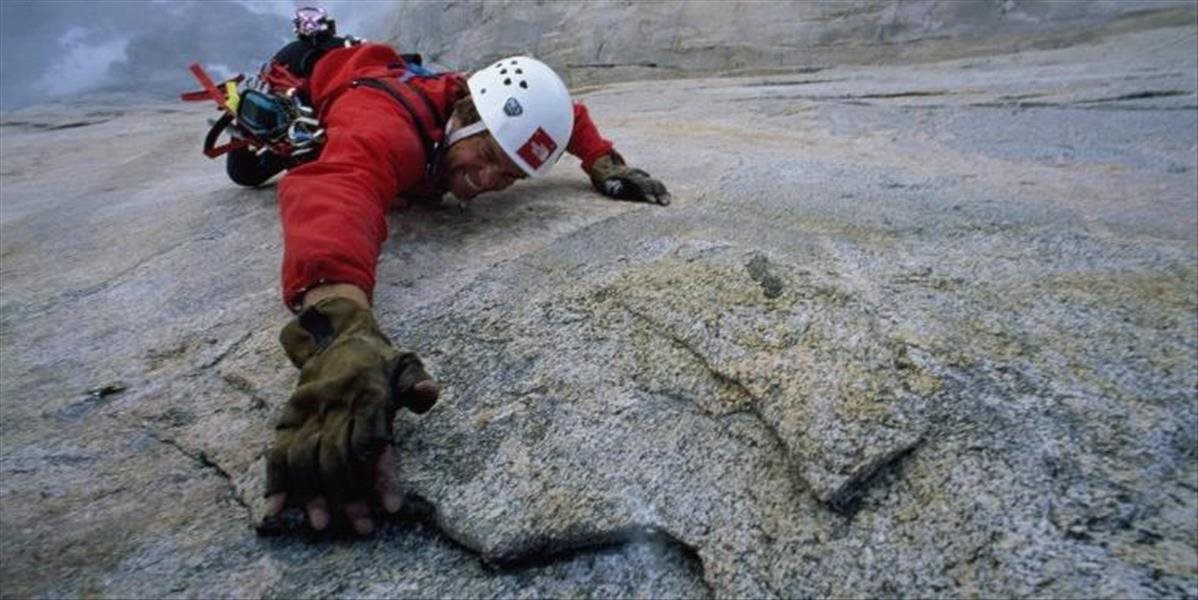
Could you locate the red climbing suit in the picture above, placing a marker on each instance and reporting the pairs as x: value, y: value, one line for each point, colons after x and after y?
x: 333, y: 209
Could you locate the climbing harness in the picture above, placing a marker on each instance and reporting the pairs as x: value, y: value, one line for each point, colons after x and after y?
x: 270, y: 112
x: 266, y: 113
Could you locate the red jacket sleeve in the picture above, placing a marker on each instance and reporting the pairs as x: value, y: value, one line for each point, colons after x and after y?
x: 585, y: 141
x: 333, y: 209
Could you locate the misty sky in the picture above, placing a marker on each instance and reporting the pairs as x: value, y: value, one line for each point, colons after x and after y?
x: 63, y: 49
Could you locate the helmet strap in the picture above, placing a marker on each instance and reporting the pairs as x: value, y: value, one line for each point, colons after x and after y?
x: 454, y: 136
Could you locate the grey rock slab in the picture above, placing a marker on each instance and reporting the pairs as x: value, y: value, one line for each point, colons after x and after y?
x: 822, y: 372
x: 607, y: 41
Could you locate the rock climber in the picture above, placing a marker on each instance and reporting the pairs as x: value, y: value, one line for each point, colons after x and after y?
x: 389, y: 128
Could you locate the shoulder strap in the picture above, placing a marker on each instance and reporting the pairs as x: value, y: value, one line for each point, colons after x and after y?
x: 427, y: 122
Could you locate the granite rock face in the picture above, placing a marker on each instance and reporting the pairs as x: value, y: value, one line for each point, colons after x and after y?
x: 605, y: 40
x: 907, y: 330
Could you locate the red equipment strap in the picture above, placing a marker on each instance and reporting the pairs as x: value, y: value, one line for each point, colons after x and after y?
x: 212, y: 92
x: 194, y: 96
x: 279, y: 77
x: 210, y: 88
x: 211, y: 150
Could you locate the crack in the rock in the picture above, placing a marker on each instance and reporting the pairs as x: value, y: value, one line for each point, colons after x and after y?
x: 227, y: 351
x: 880, y: 43
x: 50, y: 126
x: 887, y: 95
x: 206, y: 463
x: 847, y: 500
x: 656, y: 327
x: 792, y: 82
x: 551, y: 550
x: 849, y: 98
x: 1137, y: 96
x: 548, y: 551
x: 543, y: 552
x: 1111, y: 103
x: 603, y: 65
x: 1066, y: 106
x: 754, y: 401
x: 243, y: 386
x: 95, y: 288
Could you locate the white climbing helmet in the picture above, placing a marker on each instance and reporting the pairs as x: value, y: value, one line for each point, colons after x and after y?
x: 527, y: 109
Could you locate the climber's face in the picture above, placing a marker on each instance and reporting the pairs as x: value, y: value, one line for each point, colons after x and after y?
x: 477, y: 164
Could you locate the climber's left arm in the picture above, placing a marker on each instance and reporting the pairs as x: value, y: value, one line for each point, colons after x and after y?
x: 609, y: 173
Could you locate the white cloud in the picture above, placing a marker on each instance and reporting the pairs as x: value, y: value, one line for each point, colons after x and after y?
x: 83, y: 64
x: 284, y: 8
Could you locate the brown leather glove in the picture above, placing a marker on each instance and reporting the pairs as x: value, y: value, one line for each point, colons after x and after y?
x: 613, y: 178
x: 338, y: 421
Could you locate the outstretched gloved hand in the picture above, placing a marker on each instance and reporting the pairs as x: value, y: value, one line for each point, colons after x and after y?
x: 333, y: 441
x: 613, y: 178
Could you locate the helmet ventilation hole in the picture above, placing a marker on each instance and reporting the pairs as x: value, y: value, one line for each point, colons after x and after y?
x: 513, y: 62
x: 519, y: 71
x: 524, y: 84
x: 507, y: 81
x: 482, y: 91
x: 503, y: 71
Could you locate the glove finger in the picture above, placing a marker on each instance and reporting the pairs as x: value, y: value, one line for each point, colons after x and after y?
x: 304, y: 401
x: 359, y: 469
x: 658, y: 189
x: 318, y: 513
x: 307, y: 398
x: 291, y: 418
x: 276, y: 470
x: 646, y: 193
x: 303, y: 459
x: 334, y: 470
x: 650, y: 188
x: 371, y: 433
x: 413, y: 386
x: 386, y: 482
x: 409, y: 370
x: 632, y: 189
x: 297, y: 342
x: 358, y: 513
x: 423, y: 396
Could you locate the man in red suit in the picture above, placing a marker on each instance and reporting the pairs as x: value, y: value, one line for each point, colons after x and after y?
x: 391, y: 129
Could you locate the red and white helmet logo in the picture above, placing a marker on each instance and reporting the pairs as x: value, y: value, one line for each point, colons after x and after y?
x: 537, y: 149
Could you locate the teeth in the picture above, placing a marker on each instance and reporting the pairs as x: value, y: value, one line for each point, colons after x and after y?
x: 470, y: 182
